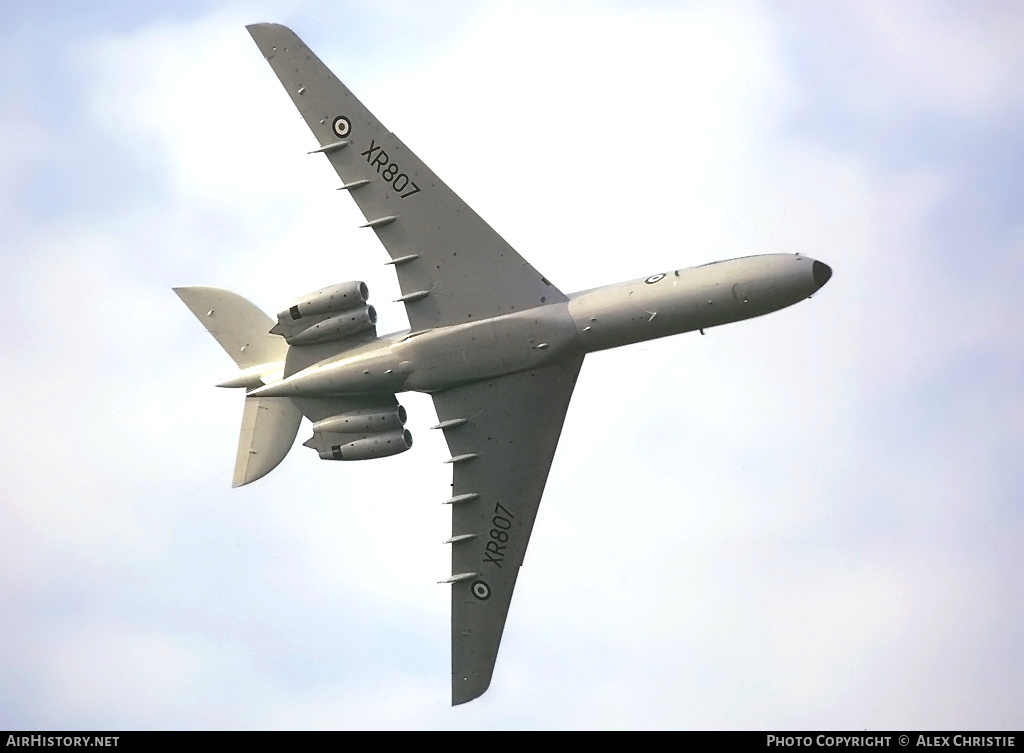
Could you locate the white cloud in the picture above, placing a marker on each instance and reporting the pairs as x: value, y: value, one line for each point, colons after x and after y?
x: 962, y: 59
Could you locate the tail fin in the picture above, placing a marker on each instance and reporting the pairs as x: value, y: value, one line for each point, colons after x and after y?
x: 269, y: 424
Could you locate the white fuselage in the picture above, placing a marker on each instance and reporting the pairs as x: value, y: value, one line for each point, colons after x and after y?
x: 659, y: 305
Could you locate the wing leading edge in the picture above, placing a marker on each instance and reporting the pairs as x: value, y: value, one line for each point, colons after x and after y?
x: 452, y: 266
x: 502, y: 434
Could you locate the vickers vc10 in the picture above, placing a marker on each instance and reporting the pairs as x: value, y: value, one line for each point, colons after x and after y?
x: 495, y: 344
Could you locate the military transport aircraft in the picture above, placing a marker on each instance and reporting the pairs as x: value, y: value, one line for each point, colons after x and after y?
x: 495, y: 344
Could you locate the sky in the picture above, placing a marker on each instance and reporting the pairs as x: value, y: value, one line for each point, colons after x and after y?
x: 808, y: 520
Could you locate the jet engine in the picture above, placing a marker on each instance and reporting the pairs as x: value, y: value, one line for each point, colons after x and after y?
x: 332, y: 313
x: 361, y: 435
x: 363, y: 423
x: 369, y: 448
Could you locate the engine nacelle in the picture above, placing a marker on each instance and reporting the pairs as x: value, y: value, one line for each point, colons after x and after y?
x: 335, y: 327
x: 332, y: 313
x: 340, y: 297
x: 385, y: 420
x: 361, y: 434
x: 367, y: 448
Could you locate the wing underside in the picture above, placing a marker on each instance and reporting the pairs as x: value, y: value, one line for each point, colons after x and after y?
x: 502, y: 434
x: 452, y: 266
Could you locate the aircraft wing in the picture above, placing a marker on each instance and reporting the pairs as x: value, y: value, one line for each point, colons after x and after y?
x: 502, y: 434
x: 452, y: 267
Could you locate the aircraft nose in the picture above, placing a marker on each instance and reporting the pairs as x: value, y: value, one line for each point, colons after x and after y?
x: 822, y: 273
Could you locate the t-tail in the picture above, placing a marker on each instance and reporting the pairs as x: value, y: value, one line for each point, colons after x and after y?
x: 269, y: 424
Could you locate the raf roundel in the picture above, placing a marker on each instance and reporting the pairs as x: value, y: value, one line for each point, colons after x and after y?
x: 481, y: 590
x: 342, y: 126
x: 654, y: 278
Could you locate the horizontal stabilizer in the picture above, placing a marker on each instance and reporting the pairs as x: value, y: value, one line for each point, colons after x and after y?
x: 269, y: 426
x: 237, y: 324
